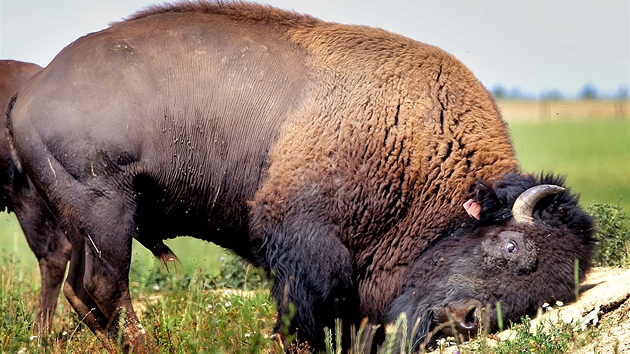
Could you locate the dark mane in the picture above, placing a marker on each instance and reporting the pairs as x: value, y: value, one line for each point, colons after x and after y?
x: 237, y: 10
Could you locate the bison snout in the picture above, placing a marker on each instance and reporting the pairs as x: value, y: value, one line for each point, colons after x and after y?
x: 465, y: 316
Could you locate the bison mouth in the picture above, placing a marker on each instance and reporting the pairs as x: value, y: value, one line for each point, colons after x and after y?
x: 463, y: 320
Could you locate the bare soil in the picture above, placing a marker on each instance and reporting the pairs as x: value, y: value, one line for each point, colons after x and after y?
x: 604, y: 305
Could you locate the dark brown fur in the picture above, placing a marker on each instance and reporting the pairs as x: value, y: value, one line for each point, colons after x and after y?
x: 332, y: 155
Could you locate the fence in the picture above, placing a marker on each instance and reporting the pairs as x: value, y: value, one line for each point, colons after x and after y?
x: 555, y: 110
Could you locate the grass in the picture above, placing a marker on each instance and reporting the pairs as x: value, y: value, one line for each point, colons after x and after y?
x: 183, y: 311
x: 593, y: 154
x: 548, y: 338
x: 182, y: 314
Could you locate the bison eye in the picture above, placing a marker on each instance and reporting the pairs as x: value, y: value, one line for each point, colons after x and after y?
x: 510, y: 248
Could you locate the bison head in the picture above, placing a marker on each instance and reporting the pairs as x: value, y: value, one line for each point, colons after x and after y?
x: 520, y: 253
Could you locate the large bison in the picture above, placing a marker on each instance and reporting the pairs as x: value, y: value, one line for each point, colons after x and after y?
x: 336, y: 157
x: 43, y: 233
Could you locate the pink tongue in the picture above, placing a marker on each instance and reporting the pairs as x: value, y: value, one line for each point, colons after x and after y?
x: 472, y: 208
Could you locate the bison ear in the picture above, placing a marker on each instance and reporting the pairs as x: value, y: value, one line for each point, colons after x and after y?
x: 472, y: 208
x: 483, y: 200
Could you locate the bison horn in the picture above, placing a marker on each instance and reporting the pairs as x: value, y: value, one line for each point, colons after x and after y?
x: 523, y: 208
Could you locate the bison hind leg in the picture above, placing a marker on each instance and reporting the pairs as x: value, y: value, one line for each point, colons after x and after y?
x: 52, y: 269
x: 79, y: 299
x: 52, y: 249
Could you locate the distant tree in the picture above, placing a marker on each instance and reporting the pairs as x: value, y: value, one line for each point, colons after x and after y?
x: 588, y: 92
x: 516, y: 93
x: 550, y: 95
x: 622, y: 93
x: 499, y: 91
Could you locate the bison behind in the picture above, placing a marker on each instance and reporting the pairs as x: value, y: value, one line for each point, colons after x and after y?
x: 43, y: 233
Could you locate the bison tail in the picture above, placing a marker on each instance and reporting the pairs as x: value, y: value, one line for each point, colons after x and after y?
x: 15, y: 175
x: 8, y: 131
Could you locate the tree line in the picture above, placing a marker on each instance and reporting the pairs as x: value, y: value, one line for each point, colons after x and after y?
x: 588, y: 92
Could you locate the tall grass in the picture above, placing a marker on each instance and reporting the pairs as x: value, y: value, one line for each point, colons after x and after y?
x: 182, y: 314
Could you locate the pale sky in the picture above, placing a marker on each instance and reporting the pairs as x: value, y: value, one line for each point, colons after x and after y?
x: 535, y: 45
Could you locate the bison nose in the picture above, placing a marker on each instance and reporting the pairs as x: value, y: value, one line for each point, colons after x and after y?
x: 467, y: 316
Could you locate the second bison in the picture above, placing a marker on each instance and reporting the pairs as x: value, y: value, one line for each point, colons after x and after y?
x: 336, y: 157
x: 44, y: 235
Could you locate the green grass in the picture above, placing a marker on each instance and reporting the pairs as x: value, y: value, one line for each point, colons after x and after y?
x: 593, y: 154
x: 182, y: 316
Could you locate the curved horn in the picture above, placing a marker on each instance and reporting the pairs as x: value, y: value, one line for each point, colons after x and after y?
x: 524, y: 205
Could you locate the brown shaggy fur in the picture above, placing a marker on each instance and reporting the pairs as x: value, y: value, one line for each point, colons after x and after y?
x: 395, y: 143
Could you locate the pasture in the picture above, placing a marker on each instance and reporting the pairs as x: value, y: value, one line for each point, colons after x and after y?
x: 184, y: 313
x: 594, y: 155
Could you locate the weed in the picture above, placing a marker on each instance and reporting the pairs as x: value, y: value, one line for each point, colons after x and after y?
x: 613, y: 234
x: 237, y: 274
x: 548, y: 337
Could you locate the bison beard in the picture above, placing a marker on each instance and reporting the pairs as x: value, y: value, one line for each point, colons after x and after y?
x: 341, y: 170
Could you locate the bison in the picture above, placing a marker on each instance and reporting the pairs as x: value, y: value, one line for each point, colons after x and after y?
x: 43, y: 232
x: 337, y: 157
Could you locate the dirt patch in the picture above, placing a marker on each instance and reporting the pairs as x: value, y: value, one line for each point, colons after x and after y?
x: 604, y: 304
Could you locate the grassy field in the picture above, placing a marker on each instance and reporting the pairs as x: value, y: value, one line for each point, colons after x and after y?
x: 184, y: 314
x: 593, y: 155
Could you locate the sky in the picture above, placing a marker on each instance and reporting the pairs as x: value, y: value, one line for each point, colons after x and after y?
x: 533, y: 46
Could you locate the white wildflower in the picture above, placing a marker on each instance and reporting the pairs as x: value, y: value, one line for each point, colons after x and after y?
x: 559, y: 303
x: 32, y: 337
x: 227, y: 304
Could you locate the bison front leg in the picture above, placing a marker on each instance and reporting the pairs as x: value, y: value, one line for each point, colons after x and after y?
x: 312, y: 272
